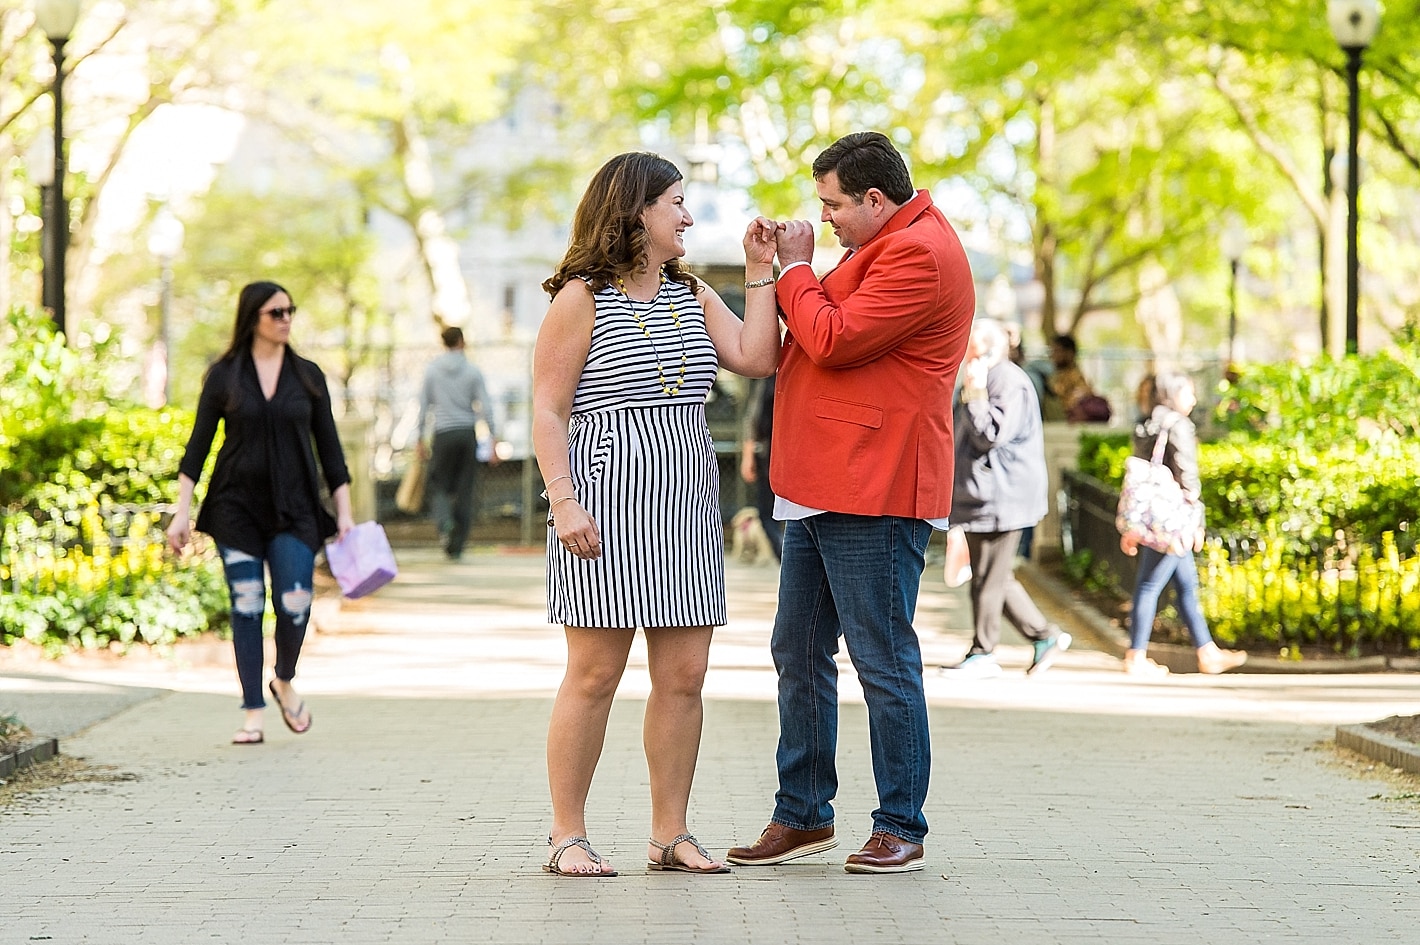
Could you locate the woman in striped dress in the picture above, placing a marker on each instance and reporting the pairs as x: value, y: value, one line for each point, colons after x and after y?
x: 624, y: 362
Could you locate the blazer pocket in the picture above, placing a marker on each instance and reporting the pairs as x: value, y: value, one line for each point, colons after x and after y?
x: 864, y: 415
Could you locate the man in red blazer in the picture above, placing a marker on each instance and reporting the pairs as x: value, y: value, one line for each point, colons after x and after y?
x: 862, y: 468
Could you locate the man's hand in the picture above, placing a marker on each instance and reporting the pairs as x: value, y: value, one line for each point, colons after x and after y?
x: 795, y: 241
x: 973, y: 377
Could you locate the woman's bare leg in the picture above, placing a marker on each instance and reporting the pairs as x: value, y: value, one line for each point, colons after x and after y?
x: 595, y: 661
x: 678, y: 657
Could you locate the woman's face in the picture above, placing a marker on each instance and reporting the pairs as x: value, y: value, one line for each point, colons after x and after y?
x: 273, y: 324
x: 666, y: 221
x: 1187, y: 400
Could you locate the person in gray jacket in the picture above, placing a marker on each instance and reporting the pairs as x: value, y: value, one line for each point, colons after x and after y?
x: 1000, y: 489
x: 454, y: 393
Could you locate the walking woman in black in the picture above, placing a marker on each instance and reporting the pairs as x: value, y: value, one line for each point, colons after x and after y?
x: 263, y: 506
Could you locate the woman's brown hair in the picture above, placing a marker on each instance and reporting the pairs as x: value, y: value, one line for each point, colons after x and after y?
x: 608, y: 238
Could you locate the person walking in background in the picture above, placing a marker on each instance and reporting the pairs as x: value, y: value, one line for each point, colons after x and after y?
x: 862, y: 468
x: 456, y: 397
x: 754, y: 461
x: 1173, y: 398
x: 1000, y: 488
x: 263, y: 506
x: 624, y: 362
x: 1068, y: 394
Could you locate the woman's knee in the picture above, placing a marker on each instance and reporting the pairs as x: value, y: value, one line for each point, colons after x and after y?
x: 594, y: 683
x: 295, y: 603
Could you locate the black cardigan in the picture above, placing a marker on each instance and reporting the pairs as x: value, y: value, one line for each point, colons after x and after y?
x: 265, y: 480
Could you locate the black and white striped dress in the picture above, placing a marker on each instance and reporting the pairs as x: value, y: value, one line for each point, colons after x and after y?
x: 644, y: 466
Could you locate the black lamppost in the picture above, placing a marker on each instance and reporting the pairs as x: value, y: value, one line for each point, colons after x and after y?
x: 1354, y: 24
x: 57, y: 18
x: 1233, y: 242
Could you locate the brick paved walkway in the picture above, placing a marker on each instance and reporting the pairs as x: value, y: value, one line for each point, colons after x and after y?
x: 1078, y: 807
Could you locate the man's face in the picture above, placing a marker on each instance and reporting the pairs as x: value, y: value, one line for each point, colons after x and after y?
x: 854, y: 222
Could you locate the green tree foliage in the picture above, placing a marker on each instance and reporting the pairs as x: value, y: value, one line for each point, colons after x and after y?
x: 1119, y: 131
x: 314, y: 243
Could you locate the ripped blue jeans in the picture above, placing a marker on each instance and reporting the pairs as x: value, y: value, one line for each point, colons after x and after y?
x: 292, y: 567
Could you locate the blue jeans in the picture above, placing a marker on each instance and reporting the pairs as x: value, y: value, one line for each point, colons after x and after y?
x: 855, y: 576
x: 292, y: 566
x: 1156, y: 571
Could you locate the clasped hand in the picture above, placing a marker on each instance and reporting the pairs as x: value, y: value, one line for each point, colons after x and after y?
x: 791, y: 241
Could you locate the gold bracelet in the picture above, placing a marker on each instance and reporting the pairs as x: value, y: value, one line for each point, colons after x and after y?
x: 759, y: 282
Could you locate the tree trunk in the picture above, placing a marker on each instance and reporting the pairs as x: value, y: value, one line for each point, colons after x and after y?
x: 1044, y: 241
x: 1333, y: 268
x: 448, y: 290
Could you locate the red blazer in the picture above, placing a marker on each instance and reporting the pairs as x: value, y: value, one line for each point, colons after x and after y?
x: 863, y: 400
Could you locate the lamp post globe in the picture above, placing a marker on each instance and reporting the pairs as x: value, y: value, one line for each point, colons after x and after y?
x: 1354, y: 24
x: 57, y: 18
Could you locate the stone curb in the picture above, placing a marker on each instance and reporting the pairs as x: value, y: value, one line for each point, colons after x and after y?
x: 1055, y: 595
x: 43, y: 751
x: 1379, y: 746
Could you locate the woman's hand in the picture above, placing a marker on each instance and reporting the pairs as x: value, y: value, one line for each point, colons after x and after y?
x: 1198, y: 539
x: 759, y: 242
x: 343, y: 524
x: 1129, y: 544
x: 179, y: 532
x: 576, y: 531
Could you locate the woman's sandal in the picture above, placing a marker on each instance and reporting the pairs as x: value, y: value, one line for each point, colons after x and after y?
x: 248, y: 736
x: 669, y: 862
x: 551, y: 866
x: 292, y: 719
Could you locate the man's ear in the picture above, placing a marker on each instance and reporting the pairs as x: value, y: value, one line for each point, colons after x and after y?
x: 875, y: 199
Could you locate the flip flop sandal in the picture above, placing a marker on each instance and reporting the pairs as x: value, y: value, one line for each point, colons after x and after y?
x: 551, y: 866
x: 669, y: 862
x: 291, y: 718
x: 248, y: 736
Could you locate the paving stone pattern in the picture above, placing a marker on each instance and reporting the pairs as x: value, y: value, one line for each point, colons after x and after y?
x: 1081, y: 807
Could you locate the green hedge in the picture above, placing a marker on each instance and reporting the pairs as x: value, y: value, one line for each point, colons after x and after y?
x: 1313, y: 506
x: 82, y: 484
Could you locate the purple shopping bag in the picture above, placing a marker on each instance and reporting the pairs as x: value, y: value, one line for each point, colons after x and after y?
x: 362, y: 561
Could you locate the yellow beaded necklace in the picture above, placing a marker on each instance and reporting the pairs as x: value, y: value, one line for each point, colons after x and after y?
x: 641, y: 324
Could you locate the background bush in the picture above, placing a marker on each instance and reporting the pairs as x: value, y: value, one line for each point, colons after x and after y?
x: 1312, y: 503
x: 82, y: 485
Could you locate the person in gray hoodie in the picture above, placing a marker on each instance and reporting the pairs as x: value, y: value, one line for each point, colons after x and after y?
x: 454, y: 393
x: 1000, y: 489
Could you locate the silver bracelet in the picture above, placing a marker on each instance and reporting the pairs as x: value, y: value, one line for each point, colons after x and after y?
x: 757, y: 283
x: 549, y: 485
x: 551, y: 522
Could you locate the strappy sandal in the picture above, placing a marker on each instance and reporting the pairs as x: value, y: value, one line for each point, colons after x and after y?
x: 669, y: 862
x: 551, y: 866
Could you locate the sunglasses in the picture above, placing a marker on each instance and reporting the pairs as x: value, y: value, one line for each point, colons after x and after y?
x: 280, y: 314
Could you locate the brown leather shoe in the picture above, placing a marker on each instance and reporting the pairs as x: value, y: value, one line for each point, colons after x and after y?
x: 884, y: 853
x: 780, y: 844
